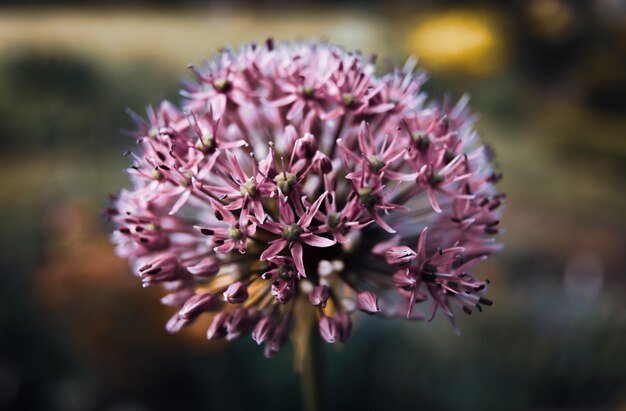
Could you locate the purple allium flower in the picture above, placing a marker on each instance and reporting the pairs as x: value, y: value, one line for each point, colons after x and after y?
x: 293, y: 174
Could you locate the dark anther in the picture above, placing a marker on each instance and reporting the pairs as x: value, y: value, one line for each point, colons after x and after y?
x: 495, y: 205
x: 485, y: 301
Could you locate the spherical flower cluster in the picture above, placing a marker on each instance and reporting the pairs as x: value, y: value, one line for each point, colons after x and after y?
x: 294, y: 174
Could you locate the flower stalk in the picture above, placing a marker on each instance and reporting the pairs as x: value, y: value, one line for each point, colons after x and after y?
x: 312, y: 375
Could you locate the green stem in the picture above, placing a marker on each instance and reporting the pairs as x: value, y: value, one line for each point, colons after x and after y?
x: 312, y: 374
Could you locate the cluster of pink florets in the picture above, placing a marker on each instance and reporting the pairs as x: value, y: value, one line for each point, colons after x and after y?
x: 294, y: 173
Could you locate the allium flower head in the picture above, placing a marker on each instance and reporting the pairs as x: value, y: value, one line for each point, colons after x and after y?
x: 293, y: 181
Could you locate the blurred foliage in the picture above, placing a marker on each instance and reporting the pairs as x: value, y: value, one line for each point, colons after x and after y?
x: 77, y: 332
x: 54, y: 100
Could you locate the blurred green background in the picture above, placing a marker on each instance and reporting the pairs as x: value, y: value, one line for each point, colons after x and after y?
x: 548, y: 77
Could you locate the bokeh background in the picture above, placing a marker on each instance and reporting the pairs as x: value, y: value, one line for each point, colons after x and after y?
x: 77, y: 332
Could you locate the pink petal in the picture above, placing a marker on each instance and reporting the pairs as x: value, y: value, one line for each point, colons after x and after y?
x: 392, y: 175
x: 284, y: 209
x: 218, y: 104
x: 381, y: 108
x: 225, y: 248
x: 274, y: 248
x: 296, y: 254
x: 433, y: 200
x: 223, y: 213
x: 316, y: 240
x: 295, y: 110
x: 271, y: 226
x: 306, y: 219
x: 259, y: 212
x: 383, y: 246
x: 421, y: 245
x: 332, y: 114
x: 283, y: 101
x: 379, y: 220
x: 180, y: 202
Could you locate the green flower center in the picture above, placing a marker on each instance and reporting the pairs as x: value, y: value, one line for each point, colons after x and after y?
x: 449, y: 155
x: 153, y: 132
x: 186, y: 180
x: 376, y: 162
x: 248, y: 188
x: 206, y: 143
x: 333, y: 220
x: 156, y: 174
x: 222, y: 84
x: 348, y: 100
x: 285, y: 181
x: 291, y: 232
x: 234, y: 233
x: 366, y: 197
x: 421, y: 141
x: 435, y: 179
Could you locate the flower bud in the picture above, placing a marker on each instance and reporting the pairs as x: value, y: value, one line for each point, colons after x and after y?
x: 217, y: 329
x: 175, y: 324
x: 278, y: 339
x: 306, y: 146
x: 283, y: 290
x: 208, y: 267
x: 198, y: 304
x: 367, y: 302
x: 328, y: 329
x: 236, y: 293
x: 263, y: 330
x: 177, y: 298
x: 400, y: 255
x: 344, y: 326
x: 237, y: 323
x: 322, y: 164
x: 402, y: 279
x: 165, y: 268
x: 319, y: 296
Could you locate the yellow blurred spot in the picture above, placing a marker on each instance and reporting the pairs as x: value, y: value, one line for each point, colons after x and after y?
x: 458, y: 40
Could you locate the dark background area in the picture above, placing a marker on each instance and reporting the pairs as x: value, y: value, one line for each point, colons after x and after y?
x: 548, y: 77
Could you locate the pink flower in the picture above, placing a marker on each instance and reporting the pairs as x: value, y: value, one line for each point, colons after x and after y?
x: 293, y: 174
x: 294, y: 233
